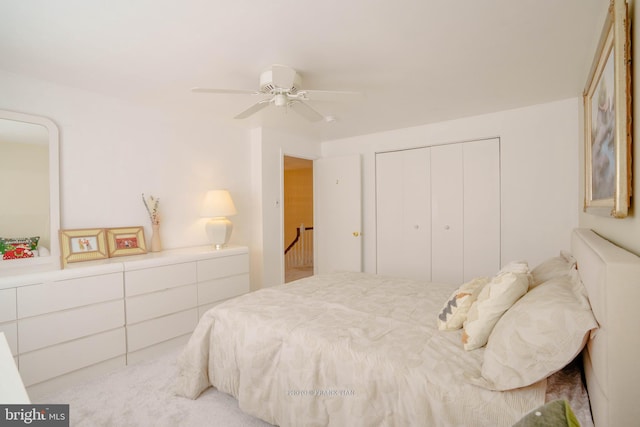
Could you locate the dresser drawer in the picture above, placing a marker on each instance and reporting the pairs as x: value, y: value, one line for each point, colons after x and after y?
x: 157, y: 304
x: 50, y: 362
x: 50, y: 297
x: 11, y: 334
x: 162, y: 329
x: 221, y: 289
x: 223, y: 267
x: 49, y: 329
x: 139, y: 282
x: 7, y: 305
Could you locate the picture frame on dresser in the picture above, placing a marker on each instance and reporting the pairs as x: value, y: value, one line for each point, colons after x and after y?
x: 607, y: 119
x: 123, y: 241
x: 83, y: 244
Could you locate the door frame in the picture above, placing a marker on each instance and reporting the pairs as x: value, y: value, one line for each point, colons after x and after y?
x: 284, y: 153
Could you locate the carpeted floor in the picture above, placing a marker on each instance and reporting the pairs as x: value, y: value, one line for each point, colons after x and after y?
x: 295, y: 273
x: 141, y: 395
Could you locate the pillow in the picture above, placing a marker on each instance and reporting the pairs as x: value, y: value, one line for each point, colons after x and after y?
x: 539, y: 335
x: 494, y: 299
x: 14, y: 248
x: 555, y: 413
x: 519, y: 267
x: 454, y: 312
x: 559, y: 266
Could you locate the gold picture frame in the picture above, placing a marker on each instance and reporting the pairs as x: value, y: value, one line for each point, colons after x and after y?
x: 607, y: 119
x: 123, y: 241
x: 85, y: 244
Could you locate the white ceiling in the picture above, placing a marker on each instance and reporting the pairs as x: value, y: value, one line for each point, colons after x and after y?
x: 417, y: 61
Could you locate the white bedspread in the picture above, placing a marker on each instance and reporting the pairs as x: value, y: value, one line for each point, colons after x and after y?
x: 345, y: 349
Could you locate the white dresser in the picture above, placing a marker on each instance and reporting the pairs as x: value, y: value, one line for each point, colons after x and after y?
x: 12, y: 389
x: 64, y: 326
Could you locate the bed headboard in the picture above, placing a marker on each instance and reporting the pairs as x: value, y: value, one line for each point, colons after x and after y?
x: 611, y: 276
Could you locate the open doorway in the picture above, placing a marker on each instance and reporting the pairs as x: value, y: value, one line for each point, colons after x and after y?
x: 298, y: 218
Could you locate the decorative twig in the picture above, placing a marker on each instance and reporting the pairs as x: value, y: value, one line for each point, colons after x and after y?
x: 152, y: 206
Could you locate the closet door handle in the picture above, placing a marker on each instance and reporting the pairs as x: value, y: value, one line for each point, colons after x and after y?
x: 356, y: 234
x: 446, y: 227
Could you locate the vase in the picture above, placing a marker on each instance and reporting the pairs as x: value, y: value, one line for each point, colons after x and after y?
x: 156, y: 244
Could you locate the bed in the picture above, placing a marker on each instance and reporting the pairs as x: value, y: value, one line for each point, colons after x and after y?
x: 339, y: 350
x: 611, y: 276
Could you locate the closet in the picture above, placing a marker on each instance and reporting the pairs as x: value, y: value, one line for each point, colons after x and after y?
x: 438, y: 211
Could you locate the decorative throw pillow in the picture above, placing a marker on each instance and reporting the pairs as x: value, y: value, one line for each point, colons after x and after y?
x: 518, y: 267
x: 556, y: 413
x: 454, y: 312
x: 551, y: 268
x: 494, y: 299
x: 15, y: 248
x: 539, y: 335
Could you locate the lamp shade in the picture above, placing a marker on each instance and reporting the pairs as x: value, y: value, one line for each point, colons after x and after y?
x: 217, y: 203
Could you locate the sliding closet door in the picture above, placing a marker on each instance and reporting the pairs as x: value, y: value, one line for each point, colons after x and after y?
x: 447, y: 219
x: 481, y: 208
x: 403, y: 214
x: 465, y: 191
x: 438, y: 211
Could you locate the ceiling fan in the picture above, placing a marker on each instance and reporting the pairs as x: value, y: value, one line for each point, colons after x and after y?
x: 283, y: 85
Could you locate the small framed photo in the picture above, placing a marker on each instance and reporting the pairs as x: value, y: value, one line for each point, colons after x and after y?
x: 83, y: 245
x: 126, y: 241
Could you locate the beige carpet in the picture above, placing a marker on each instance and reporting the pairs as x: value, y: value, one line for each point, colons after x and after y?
x: 295, y: 273
x: 141, y: 395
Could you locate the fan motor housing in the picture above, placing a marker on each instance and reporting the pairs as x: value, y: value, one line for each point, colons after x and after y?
x: 267, y: 86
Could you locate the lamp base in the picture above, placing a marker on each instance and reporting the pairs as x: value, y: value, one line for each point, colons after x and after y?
x: 219, y: 230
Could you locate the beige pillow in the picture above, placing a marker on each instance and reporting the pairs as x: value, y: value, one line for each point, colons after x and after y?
x: 494, y: 299
x: 560, y: 266
x: 454, y: 312
x: 539, y: 335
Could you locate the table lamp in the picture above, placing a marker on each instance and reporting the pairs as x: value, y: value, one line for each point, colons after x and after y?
x: 218, y: 205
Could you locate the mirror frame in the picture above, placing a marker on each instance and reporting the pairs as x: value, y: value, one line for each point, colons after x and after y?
x: 54, y: 189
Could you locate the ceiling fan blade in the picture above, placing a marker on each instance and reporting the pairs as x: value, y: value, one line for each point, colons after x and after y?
x: 305, y: 111
x: 333, y: 92
x: 227, y: 91
x: 253, y: 109
x: 329, y: 95
x: 282, y: 77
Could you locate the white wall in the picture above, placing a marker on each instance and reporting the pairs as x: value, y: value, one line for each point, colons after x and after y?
x: 539, y: 169
x: 269, y: 146
x: 111, y: 152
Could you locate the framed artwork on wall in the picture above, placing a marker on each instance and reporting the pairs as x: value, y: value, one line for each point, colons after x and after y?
x: 126, y: 241
x: 82, y: 245
x: 607, y: 119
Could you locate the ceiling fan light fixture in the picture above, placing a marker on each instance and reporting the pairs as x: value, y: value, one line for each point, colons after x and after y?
x: 280, y: 77
x: 280, y: 100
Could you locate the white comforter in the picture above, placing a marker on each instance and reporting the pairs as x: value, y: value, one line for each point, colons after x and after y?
x: 345, y: 349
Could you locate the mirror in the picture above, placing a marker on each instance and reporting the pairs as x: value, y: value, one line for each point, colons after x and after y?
x: 29, y: 192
